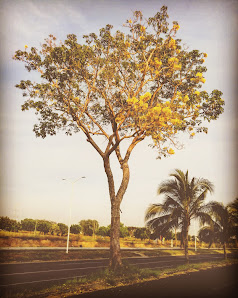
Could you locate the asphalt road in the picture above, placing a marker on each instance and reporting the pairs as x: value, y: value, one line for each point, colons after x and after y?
x: 28, y: 274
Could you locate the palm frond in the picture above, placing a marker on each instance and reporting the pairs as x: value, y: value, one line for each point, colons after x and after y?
x: 171, y: 202
x: 205, y: 184
x: 179, y: 175
x: 152, y: 210
x: 166, y: 187
x: 203, y: 217
x: 158, y: 221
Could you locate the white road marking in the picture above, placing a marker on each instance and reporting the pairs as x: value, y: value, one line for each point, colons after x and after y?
x: 35, y: 272
x: 71, y: 269
x: 37, y: 281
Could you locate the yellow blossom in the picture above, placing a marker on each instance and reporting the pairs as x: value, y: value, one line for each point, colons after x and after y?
x: 142, y: 28
x: 145, y: 97
x: 173, y: 60
x: 205, y: 55
x: 176, y: 27
x: 171, y: 151
x: 192, y: 134
x: 132, y: 100
x: 128, y: 55
x: 197, y: 92
x: 203, y: 80
x: 157, y: 109
x: 26, y: 46
x: 186, y: 98
x: 167, y: 111
x: 199, y: 74
x: 145, y: 106
x: 177, y: 66
x: 172, y: 43
x: 157, y: 62
x: 130, y: 21
x: 176, y: 121
x: 118, y: 119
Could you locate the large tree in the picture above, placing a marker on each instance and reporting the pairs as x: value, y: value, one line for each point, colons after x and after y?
x: 183, y: 201
x: 28, y: 224
x: 121, y: 87
x: 8, y: 224
x: 89, y: 226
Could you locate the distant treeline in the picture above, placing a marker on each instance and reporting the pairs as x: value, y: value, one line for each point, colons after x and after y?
x: 85, y: 227
x: 88, y: 227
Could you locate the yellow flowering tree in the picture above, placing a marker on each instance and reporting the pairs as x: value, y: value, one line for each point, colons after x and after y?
x: 120, y: 86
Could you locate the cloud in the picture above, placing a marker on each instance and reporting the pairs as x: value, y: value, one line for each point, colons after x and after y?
x: 32, y: 21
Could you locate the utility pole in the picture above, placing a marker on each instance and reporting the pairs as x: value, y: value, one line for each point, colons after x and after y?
x: 73, y: 182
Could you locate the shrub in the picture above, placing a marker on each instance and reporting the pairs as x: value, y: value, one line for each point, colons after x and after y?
x: 63, y: 229
x: 8, y: 224
x: 75, y: 229
x: 28, y: 224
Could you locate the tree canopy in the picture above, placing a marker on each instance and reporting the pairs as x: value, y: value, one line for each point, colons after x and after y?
x: 28, y: 224
x: 120, y: 85
x: 89, y: 226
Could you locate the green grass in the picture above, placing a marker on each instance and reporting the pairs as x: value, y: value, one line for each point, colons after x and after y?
x: 9, y: 256
x: 105, y: 279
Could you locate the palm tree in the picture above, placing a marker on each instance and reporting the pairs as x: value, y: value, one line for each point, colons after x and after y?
x: 183, y: 201
x: 209, y: 234
x: 224, y: 222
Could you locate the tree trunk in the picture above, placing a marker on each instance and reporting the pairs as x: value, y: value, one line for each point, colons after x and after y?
x: 115, y: 253
x: 186, y: 244
x: 175, y: 232
x: 182, y: 235
x: 224, y: 248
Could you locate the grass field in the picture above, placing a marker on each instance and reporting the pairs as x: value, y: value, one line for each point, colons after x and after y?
x: 29, y: 239
x: 9, y: 256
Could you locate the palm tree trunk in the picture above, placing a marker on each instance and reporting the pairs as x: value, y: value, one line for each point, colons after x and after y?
x: 175, y: 232
x: 225, y: 253
x: 182, y: 238
x: 186, y: 244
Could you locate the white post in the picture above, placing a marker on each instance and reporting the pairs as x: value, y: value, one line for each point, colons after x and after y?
x: 172, y: 242
x: 67, y: 248
x: 195, y: 243
x: 70, y: 203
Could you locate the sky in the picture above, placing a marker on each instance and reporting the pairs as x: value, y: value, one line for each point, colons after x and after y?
x: 32, y: 168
